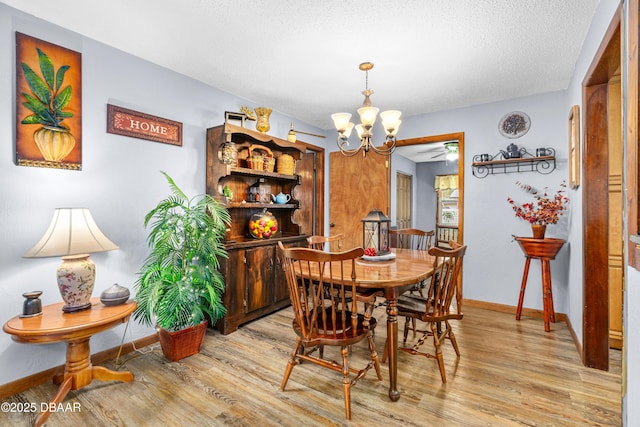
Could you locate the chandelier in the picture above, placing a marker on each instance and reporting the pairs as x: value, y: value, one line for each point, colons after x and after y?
x: 390, y: 122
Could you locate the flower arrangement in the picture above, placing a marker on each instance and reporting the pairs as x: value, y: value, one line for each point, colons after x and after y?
x: 545, y: 209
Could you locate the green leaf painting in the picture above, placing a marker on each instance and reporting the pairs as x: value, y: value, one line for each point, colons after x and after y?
x: 48, y: 98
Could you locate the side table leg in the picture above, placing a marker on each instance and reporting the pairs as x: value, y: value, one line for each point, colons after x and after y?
x: 62, y: 392
x: 104, y: 374
x: 523, y: 287
x: 547, y: 295
x: 552, y: 312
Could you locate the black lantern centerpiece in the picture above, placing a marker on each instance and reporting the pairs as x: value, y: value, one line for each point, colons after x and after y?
x: 375, y: 232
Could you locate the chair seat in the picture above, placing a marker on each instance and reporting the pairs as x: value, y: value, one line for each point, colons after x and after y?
x: 344, y: 333
x: 413, y: 305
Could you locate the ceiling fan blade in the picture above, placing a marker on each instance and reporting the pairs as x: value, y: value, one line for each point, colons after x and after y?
x: 430, y: 150
x: 438, y: 155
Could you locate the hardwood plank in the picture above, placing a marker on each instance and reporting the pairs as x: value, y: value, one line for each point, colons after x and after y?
x: 511, y: 373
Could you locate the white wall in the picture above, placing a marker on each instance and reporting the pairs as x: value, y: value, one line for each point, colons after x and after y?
x: 493, y: 259
x: 120, y: 179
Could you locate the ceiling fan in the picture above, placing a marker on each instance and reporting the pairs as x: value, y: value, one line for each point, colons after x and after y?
x: 449, y: 150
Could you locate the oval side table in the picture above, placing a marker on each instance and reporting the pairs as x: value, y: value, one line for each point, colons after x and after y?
x: 75, y: 329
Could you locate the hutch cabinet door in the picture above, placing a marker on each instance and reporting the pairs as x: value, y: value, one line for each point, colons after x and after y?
x: 260, y: 277
x: 234, y: 282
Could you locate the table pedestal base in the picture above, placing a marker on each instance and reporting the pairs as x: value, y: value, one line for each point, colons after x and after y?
x: 392, y: 342
x: 78, y: 372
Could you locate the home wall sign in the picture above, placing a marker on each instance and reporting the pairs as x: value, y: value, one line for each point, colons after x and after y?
x: 122, y: 121
x: 48, y: 105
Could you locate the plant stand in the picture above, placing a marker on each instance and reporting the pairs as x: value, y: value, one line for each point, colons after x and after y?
x: 545, y: 250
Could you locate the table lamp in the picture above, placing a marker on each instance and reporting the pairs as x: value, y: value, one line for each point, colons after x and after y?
x: 73, y: 234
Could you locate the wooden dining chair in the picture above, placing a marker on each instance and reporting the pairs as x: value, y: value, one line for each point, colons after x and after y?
x: 323, y: 318
x: 442, y: 304
x: 413, y: 238
x: 319, y: 242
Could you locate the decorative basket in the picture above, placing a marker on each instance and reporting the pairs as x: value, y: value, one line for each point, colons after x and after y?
x: 286, y: 164
x: 255, y: 162
x: 183, y: 343
x: 260, y: 158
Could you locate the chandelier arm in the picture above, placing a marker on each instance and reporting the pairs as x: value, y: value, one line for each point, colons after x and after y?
x: 390, y: 143
x: 348, y: 151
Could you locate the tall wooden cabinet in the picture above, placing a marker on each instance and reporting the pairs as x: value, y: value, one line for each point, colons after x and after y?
x: 254, y: 283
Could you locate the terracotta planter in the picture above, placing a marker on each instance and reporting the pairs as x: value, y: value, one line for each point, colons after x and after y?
x: 183, y: 343
x: 538, y: 231
x: 54, y: 143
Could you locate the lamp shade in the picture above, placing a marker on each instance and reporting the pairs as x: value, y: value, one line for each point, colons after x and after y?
x: 73, y: 235
x: 72, y: 231
x: 341, y: 121
x: 368, y: 115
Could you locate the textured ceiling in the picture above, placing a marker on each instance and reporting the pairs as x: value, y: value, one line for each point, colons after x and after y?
x: 301, y: 57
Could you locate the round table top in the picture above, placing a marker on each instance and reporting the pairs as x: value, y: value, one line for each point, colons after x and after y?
x: 56, y: 325
x: 408, y: 268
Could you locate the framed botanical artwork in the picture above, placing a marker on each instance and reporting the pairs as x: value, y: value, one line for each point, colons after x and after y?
x: 48, y: 105
x: 574, y: 147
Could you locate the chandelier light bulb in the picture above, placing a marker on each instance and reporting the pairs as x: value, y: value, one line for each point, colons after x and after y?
x: 390, y: 116
x: 341, y: 121
x: 347, y: 131
x: 368, y: 115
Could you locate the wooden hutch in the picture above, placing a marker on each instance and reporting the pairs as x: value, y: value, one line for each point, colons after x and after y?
x: 254, y: 282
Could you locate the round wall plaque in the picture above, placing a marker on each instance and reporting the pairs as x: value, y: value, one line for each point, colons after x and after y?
x: 514, y: 124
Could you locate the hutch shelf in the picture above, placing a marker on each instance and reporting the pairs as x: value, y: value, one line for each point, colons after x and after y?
x: 498, y: 164
x: 254, y: 282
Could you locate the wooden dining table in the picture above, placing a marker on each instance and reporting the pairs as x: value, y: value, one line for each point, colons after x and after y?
x: 392, y: 278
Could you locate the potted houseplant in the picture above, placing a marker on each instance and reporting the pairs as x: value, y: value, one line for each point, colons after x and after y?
x: 179, y: 286
x: 544, y: 210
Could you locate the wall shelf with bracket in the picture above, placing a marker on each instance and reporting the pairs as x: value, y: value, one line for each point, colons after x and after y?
x: 484, y: 165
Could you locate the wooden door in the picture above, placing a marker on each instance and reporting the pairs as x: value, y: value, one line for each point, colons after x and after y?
x: 310, y: 193
x: 403, y: 200
x: 358, y: 184
x: 616, y: 264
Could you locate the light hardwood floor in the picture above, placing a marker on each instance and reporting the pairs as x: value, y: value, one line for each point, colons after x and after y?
x: 510, y: 374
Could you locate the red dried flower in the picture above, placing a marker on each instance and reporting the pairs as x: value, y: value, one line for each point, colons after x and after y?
x: 545, y: 209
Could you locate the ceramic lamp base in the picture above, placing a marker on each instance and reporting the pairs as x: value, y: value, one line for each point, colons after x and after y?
x: 76, y: 277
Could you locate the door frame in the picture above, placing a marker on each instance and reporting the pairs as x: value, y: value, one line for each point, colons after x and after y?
x: 459, y: 136
x: 595, y: 215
